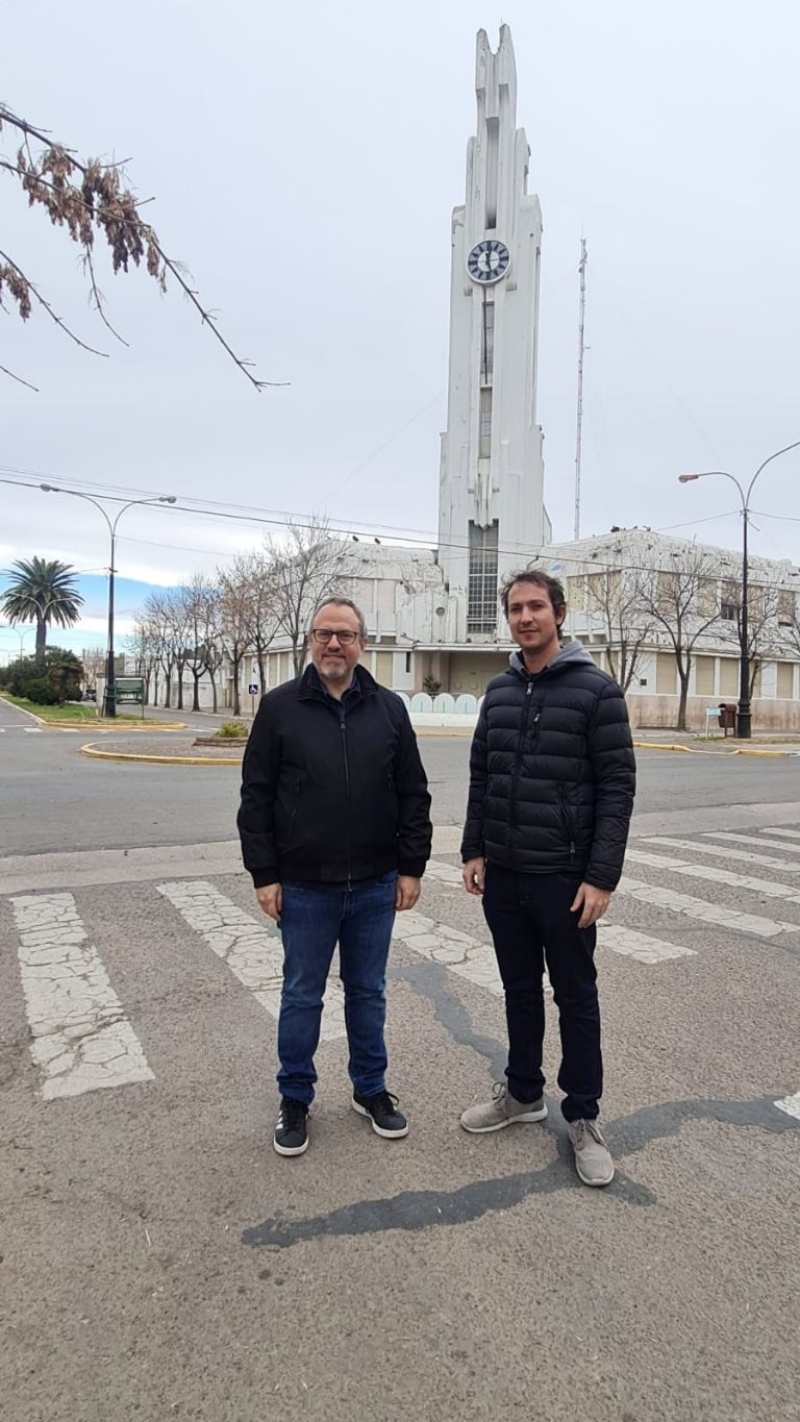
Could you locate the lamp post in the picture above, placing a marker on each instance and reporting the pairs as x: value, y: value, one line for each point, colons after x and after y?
x: 743, y: 719
x: 12, y: 627
x: 110, y: 690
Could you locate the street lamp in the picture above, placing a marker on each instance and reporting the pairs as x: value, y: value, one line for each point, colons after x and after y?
x: 110, y: 691
x: 12, y: 627
x: 744, y: 721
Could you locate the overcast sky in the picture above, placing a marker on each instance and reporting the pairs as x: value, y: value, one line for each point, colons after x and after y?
x: 305, y: 159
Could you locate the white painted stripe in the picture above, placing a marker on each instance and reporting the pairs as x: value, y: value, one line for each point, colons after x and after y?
x: 33, y: 730
x: 790, y: 1104
x: 789, y: 833
x: 457, y: 951
x: 768, y: 887
x: 81, y: 1038
x: 758, y: 842
x: 625, y: 941
x: 674, y: 902
x: 445, y: 873
x: 738, y: 856
x: 250, y: 947
x: 632, y: 944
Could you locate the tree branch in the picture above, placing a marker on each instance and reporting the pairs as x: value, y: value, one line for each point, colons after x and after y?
x: 29, y: 286
x: 103, y: 202
x: 5, y: 371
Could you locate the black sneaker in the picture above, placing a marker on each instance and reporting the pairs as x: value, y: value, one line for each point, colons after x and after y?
x: 291, y: 1135
x: 382, y: 1109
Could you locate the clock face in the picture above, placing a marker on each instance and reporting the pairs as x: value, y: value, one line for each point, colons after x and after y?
x: 488, y: 261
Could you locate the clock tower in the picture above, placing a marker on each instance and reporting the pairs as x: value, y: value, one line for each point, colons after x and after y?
x: 491, y: 511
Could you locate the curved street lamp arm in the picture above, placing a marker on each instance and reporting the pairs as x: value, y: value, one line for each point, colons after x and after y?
x: 776, y: 455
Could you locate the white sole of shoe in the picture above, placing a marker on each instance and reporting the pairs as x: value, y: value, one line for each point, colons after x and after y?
x: 379, y: 1131
x: 596, y: 1184
x: 290, y: 1150
x: 526, y: 1118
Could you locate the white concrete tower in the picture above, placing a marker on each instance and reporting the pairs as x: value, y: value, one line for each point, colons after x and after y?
x: 491, y: 510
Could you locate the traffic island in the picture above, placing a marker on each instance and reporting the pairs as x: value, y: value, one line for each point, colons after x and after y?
x: 171, y: 750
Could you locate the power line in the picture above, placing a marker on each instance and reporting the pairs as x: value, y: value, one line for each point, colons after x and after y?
x: 523, y: 551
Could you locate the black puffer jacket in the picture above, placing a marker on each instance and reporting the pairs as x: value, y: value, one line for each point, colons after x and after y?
x: 552, y: 771
x: 328, y: 798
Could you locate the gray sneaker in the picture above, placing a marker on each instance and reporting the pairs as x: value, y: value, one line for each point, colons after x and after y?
x: 592, y: 1157
x: 502, y: 1110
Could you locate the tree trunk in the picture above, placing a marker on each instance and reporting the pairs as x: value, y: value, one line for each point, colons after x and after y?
x: 41, y: 639
x: 236, y: 666
x: 196, y: 690
x: 683, y: 678
x: 213, y: 681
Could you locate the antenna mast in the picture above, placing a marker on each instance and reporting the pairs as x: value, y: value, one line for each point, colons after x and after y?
x: 581, y: 350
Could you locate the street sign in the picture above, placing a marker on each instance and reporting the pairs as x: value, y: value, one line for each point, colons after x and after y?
x: 253, y: 688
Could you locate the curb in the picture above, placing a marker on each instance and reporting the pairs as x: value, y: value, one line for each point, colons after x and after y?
x: 95, y: 754
x: 665, y: 746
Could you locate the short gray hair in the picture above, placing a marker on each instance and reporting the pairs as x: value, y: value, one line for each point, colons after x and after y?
x: 340, y: 602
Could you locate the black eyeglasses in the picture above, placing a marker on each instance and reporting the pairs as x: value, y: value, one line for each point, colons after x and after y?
x: 323, y: 636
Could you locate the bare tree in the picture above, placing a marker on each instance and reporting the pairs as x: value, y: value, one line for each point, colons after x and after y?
x: 305, y: 570
x: 615, y: 596
x: 94, y: 664
x: 764, y: 603
x: 203, y: 652
x: 683, y: 602
x: 88, y: 199
x: 237, y: 590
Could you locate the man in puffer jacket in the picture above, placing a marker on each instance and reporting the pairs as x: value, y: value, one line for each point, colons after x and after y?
x: 552, y: 780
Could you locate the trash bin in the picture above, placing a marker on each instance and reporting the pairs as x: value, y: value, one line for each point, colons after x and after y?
x: 727, y: 717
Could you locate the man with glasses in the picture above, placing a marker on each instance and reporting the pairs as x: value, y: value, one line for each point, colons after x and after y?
x: 336, y: 832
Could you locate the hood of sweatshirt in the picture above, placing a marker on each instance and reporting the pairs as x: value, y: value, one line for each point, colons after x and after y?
x: 570, y: 655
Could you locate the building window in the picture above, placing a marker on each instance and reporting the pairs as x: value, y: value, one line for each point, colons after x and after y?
x: 729, y: 677
x: 485, y: 431
x: 787, y: 607
x: 487, y: 341
x: 482, y: 595
x: 704, y: 676
x: 785, y: 680
x: 729, y: 607
x: 666, y: 674
x: 408, y: 662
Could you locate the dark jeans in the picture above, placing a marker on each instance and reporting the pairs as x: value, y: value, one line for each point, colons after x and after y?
x: 312, y: 921
x: 530, y: 920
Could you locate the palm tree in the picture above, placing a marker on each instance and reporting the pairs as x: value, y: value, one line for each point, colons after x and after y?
x: 42, y: 592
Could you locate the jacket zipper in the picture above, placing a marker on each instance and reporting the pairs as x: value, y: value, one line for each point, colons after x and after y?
x: 568, y: 820
x: 343, y: 724
x: 518, y: 764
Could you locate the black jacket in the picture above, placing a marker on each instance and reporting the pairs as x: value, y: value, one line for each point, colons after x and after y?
x: 552, y: 771
x: 331, y: 799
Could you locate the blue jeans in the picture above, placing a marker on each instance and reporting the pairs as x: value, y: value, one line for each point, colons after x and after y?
x: 312, y: 920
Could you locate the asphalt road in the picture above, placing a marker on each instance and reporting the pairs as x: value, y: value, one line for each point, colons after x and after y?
x: 53, y: 798
x: 160, y: 1261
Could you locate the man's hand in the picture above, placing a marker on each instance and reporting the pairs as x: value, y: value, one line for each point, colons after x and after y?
x: 474, y: 872
x: 408, y: 891
x: 270, y: 899
x: 591, y: 903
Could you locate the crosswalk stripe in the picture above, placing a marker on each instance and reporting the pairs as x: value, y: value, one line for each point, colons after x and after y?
x: 82, y: 1040
x: 631, y: 944
x: 701, y: 909
x: 457, y: 951
x: 32, y: 730
x: 764, y: 843
x: 768, y: 887
x: 739, y: 856
x: 790, y: 1104
x: 628, y: 942
x: 250, y: 947
x: 788, y: 833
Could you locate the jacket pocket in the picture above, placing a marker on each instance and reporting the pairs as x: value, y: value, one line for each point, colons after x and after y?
x: 568, y: 818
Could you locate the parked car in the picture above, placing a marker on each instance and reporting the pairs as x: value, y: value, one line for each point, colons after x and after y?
x: 90, y: 694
